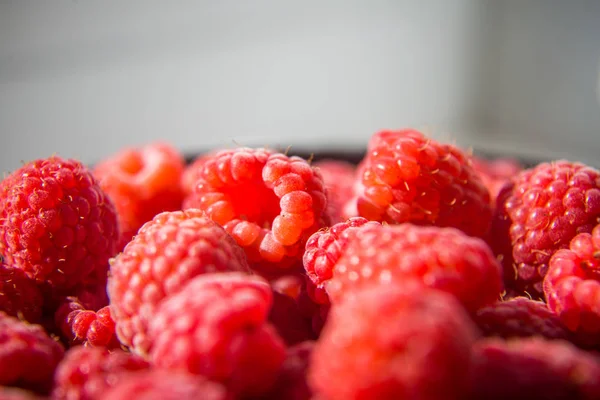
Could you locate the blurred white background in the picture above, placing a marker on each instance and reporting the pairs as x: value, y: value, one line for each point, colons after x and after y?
x: 84, y: 78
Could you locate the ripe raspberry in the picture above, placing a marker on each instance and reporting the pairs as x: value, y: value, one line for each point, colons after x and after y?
x: 496, y: 173
x: 167, y: 252
x: 324, y: 248
x: 217, y: 326
x: 28, y: 356
x: 393, y: 342
x: 79, y: 325
x: 572, y: 285
x: 87, y: 372
x: 440, y: 258
x: 288, y: 320
x: 540, y: 214
x: 56, y: 223
x: 10, y: 393
x: 269, y: 202
x: 291, y: 381
x: 166, y: 385
x: 19, y: 295
x: 409, y: 177
x: 142, y: 182
x: 520, y: 317
x: 339, y: 179
x: 533, y: 368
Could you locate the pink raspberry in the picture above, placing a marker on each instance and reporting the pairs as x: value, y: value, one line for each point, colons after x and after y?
x: 394, y: 342
x: 496, y: 173
x: 56, y: 223
x: 339, y: 178
x: 167, y: 252
x: 216, y: 326
x: 19, y: 295
x: 539, y: 214
x: 291, y: 383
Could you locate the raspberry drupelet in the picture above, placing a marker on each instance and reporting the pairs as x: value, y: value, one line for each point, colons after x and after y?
x: 408, y: 177
x: 19, y: 295
x: 216, y: 326
x: 56, y: 223
x: 539, y: 214
x: 269, y: 202
x: 167, y: 252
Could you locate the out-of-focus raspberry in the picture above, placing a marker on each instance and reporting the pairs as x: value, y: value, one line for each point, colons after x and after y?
x: 19, y: 295
x: 288, y: 320
x: 291, y: 383
x: 495, y: 173
x: 12, y: 393
x: 339, y: 179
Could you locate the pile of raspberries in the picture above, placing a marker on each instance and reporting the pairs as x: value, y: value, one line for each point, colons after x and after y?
x: 421, y: 272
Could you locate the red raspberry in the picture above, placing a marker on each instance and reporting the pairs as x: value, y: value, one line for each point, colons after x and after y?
x: 142, y: 182
x: 87, y: 372
x: 167, y: 252
x: 28, y: 356
x: 520, y: 317
x: 56, y: 223
x: 19, y: 295
x: 540, y: 214
x: 533, y: 368
x: 286, y: 317
x: 440, y: 258
x: 229, y: 313
x: 291, y: 381
x: 79, y: 325
x: 166, y: 385
x: 409, y: 177
x: 324, y: 248
x: 339, y: 178
x: 11, y: 393
x: 193, y: 172
x: 393, y: 342
x: 269, y: 202
x: 496, y: 173
x: 572, y: 285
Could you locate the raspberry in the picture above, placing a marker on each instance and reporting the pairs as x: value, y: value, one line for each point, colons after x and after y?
x: 79, y: 325
x: 291, y: 381
x: 216, y: 326
x: 572, y: 285
x: 166, y: 385
x: 10, y: 393
x: 269, y: 202
x: 193, y: 172
x: 28, y: 356
x: 324, y: 248
x: 19, y: 295
x: 496, y: 173
x: 56, y: 223
x: 286, y: 317
x: 539, y: 214
x: 440, y: 258
x: 167, y: 252
x: 393, y: 342
x: 408, y: 177
x: 520, y: 317
x: 339, y: 179
x: 533, y: 368
x: 142, y: 182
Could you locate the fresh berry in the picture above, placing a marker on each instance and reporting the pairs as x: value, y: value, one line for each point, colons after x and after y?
x: 288, y: 320
x: 269, y: 202
x: 167, y: 252
x: 166, y: 385
x: 28, y: 356
x: 324, y: 248
x: 56, y: 223
x: 394, y: 342
x: 533, y: 368
x: 79, y: 325
x: 216, y: 326
x: 12, y: 393
x: 339, y: 179
x: 86, y: 373
x: 19, y: 295
x: 520, y: 317
x: 540, y: 213
x: 142, y: 182
x: 408, y: 177
x: 291, y: 383
x: 496, y: 173
x: 440, y: 258
x: 572, y: 284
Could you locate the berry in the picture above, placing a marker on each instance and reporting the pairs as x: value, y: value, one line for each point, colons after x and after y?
x: 393, y: 342
x: 539, y: 214
x: 166, y: 385
x: 79, y: 325
x: 167, y: 252
x: 28, y: 356
x: 56, y: 223
x: 142, y: 182
x: 339, y: 179
x: 520, y: 317
x: 324, y: 248
x: 533, y: 368
x: 86, y: 373
x: 269, y: 202
x: 19, y: 295
x: 216, y: 326
x: 496, y: 173
x: 572, y: 284
x: 11, y: 393
x: 440, y: 258
x: 193, y: 172
x: 288, y: 320
x: 408, y: 177
x: 291, y: 383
